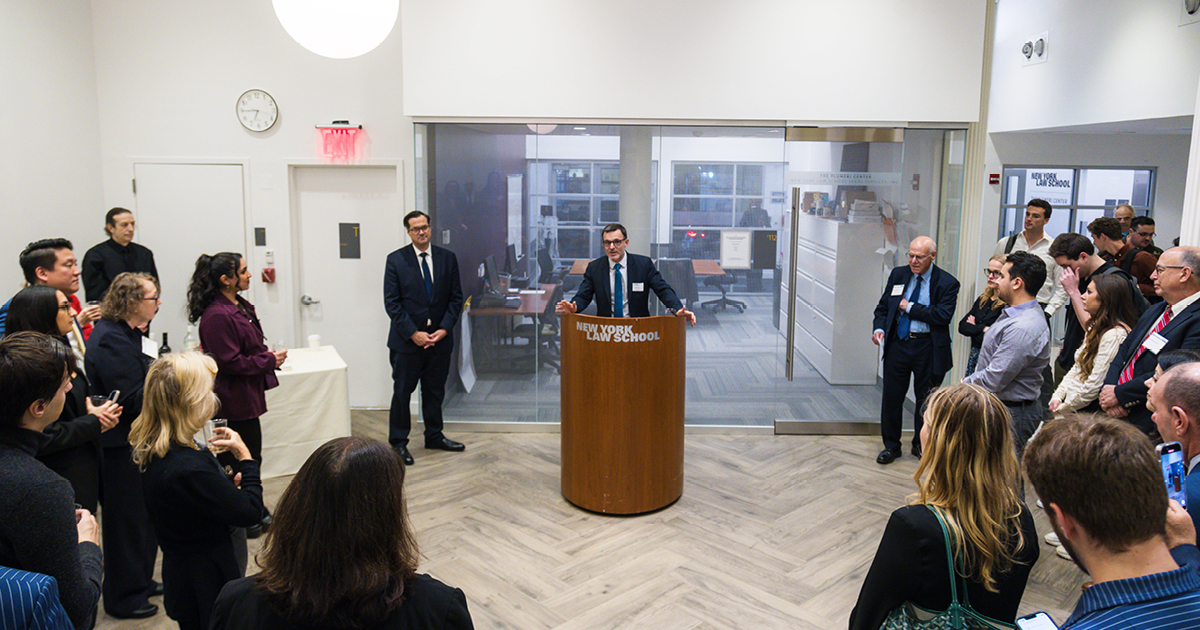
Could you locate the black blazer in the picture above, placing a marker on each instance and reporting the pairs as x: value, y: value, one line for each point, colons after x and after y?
x: 407, y: 304
x: 428, y: 605
x: 910, y: 565
x: 943, y: 298
x: 641, y: 269
x: 1183, y: 331
x: 115, y: 360
x: 74, y: 448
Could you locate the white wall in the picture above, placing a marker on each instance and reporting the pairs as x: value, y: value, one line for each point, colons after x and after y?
x: 50, y: 154
x: 854, y: 60
x: 169, y: 74
x: 1107, y: 61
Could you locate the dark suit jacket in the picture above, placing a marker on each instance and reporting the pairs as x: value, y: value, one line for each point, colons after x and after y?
x: 1183, y: 331
x: 115, y: 360
x: 943, y: 297
x: 407, y: 304
x: 641, y: 269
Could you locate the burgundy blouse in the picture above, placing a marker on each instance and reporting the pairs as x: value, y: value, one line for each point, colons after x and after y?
x: 231, y: 334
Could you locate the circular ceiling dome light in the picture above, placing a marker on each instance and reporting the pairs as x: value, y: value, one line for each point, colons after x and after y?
x: 338, y: 30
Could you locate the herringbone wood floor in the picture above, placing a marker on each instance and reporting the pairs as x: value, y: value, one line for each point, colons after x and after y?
x: 771, y: 532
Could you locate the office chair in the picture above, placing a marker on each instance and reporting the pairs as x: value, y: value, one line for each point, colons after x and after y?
x: 543, y: 333
x: 681, y: 275
x: 721, y: 282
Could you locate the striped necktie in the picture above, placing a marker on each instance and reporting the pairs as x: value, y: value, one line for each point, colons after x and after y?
x: 1127, y: 373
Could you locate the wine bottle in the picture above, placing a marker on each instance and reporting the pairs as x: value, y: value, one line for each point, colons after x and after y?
x: 164, y: 348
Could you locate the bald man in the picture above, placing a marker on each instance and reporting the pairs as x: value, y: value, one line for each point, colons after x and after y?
x: 912, y: 322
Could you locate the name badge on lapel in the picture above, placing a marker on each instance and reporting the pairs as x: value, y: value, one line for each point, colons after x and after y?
x: 1154, y: 343
x: 897, y: 290
x: 638, y: 287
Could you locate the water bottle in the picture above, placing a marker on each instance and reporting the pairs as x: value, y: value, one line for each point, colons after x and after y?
x: 190, y: 340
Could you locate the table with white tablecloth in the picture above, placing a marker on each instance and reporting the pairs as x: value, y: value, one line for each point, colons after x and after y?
x: 310, y: 407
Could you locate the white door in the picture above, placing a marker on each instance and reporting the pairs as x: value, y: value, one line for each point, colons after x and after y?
x: 184, y: 210
x: 347, y: 293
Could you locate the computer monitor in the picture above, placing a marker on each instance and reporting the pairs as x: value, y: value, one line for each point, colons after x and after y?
x: 490, y: 274
x: 510, y: 259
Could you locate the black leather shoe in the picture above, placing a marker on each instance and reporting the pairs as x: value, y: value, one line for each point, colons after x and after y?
x: 404, y: 455
x: 916, y: 451
x: 157, y: 590
x: 149, y: 610
x: 887, y: 456
x: 445, y: 444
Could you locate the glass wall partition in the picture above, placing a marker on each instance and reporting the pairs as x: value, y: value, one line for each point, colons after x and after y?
x: 523, y: 207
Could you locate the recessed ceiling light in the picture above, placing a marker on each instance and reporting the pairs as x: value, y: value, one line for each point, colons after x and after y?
x: 580, y: 128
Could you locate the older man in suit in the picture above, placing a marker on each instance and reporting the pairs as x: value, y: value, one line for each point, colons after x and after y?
x: 912, y: 321
x: 1174, y: 400
x: 424, y: 298
x: 1170, y: 324
x: 619, y: 282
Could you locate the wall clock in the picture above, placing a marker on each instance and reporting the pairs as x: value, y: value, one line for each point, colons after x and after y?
x: 256, y: 110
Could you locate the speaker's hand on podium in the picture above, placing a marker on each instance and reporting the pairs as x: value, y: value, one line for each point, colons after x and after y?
x: 565, y: 306
x: 690, y: 316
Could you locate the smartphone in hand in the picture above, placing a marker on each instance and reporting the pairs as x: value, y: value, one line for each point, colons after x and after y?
x: 1170, y: 455
x: 1036, y: 621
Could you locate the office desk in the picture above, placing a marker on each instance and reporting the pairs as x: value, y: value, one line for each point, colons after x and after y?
x: 700, y: 267
x: 490, y: 335
x: 310, y: 407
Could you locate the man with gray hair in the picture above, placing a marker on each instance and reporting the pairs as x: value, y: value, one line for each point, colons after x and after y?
x: 1171, y: 324
x: 912, y: 322
x: 1175, y: 403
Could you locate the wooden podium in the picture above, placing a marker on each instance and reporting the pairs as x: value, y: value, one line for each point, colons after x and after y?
x: 622, y: 412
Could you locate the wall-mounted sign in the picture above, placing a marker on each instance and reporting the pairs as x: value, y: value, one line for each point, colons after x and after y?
x: 818, y: 178
x: 349, y: 241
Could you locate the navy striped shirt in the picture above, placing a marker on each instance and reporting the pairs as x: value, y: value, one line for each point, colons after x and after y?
x: 30, y: 600
x: 1162, y: 601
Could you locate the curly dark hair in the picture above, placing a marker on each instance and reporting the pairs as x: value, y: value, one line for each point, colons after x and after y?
x: 206, y: 281
x: 124, y: 295
x: 340, y: 550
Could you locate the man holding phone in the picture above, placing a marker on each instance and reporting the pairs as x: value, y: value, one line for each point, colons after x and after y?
x: 1138, y: 547
x: 1174, y: 399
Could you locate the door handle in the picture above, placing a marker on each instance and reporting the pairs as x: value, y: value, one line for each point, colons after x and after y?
x: 308, y: 301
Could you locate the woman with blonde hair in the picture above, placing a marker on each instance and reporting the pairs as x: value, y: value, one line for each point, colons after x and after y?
x: 191, y: 502
x: 968, y: 507
x: 1112, y: 314
x: 984, y: 312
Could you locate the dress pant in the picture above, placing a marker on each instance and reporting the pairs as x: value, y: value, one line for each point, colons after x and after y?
x: 431, y: 367
x: 130, y: 546
x: 907, y: 359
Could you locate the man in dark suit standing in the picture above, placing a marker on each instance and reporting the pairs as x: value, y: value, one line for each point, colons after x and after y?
x: 423, y: 298
x: 912, y: 321
x: 1170, y: 324
x: 621, y: 278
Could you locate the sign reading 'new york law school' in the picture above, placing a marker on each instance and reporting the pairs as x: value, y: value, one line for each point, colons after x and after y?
x: 614, y: 333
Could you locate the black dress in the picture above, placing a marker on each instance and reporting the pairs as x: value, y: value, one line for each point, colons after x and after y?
x: 428, y: 605
x: 74, y: 447
x: 910, y: 565
x: 192, y: 506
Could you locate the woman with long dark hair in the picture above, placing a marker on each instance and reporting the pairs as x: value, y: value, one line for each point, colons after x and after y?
x: 341, y: 553
x: 968, y: 502
x: 1112, y: 314
x: 192, y: 504
x: 232, y: 335
x: 74, y: 448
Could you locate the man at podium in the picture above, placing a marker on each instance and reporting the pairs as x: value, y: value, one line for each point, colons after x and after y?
x: 621, y: 282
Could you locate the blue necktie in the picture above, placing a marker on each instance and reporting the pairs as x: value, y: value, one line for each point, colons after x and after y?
x: 428, y: 276
x: 904, y: 324
x: 618, y: 294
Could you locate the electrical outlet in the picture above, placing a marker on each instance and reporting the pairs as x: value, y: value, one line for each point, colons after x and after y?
x: 1035, y: 49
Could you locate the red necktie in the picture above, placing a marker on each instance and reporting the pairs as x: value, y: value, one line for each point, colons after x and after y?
x: 1127, y: 373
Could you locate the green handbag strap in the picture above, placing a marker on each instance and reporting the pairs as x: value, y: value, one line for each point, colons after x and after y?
x: 954, y: 609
